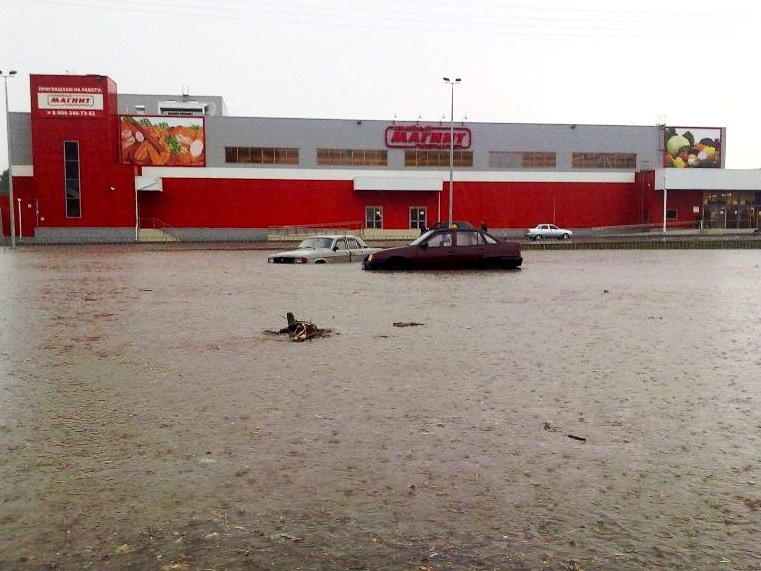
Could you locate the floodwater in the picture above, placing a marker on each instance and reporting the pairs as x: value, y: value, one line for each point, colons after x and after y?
x: 594, y: 410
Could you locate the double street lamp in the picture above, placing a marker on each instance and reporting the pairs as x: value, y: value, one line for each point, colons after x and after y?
x: 11, y: 215
x: 452, y: 83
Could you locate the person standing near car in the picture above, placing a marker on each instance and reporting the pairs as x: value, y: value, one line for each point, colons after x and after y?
x: 484, y: 227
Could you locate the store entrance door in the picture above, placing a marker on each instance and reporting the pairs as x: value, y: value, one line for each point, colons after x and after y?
x: 738, y: 216
x: 730, y: 210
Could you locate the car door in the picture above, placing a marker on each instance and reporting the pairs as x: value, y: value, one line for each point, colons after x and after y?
x: 356, y: 250
x: 340, y: 251
x: 470, y: 249
x: 437, y: 252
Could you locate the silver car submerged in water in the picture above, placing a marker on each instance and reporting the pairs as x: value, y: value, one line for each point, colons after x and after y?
x: 326, y: 249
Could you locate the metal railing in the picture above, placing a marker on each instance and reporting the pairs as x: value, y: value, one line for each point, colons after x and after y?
x: 154, y: 224
x: 297, y: 232
x: 160, y: 225
x: 312, y: 228
x: 694, y: 241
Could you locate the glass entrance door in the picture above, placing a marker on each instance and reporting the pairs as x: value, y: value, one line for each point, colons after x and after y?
x: 730, y: 210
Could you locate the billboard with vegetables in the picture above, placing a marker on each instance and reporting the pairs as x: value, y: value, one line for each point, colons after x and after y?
x: 162, y: 141
x: 697, y: 147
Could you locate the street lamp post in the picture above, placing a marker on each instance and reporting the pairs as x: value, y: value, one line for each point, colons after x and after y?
x: 11, y: 216
x: 452, y: 83
x: 665, y: 202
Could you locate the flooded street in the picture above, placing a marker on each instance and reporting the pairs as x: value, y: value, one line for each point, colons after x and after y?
x: 595, y: 410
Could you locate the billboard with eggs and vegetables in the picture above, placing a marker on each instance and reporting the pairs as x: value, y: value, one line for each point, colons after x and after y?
x: 162, y: 141
x: 697, y: 147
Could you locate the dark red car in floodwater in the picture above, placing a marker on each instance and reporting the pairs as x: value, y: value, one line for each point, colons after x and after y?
x: 447, y: 249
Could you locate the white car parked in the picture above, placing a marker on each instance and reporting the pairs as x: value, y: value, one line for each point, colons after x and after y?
x: 542, y: 231
x: 328, y: 249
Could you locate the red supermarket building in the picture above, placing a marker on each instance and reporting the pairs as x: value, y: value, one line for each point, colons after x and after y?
x: 91, y: 165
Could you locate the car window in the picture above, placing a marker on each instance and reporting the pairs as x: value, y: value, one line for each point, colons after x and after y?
x: 467, y: 238
x: 315, y: 242
x: 440, y: 240
x: 340, y: 244
x: 353, y: 244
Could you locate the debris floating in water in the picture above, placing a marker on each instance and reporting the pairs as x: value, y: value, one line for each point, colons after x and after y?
x: 302, y: 330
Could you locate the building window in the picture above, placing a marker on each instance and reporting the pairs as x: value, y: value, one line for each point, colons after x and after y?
x: 522, y: 160
x: 182, y: 112
x: 418, y: 217
x: 538, y: 160
x: 183, y: 108
x: 671, y: 214
x: 71, y: 179
x: 352, y: 157
x: 262, y: 155
x: 604, y: 161
x: 373, y: 217
x: 432, y: 158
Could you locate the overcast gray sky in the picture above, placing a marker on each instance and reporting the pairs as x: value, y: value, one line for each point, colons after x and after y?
x: 688, y: 64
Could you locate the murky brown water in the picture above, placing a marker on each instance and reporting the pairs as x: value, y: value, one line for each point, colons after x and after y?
x: 148, y: 420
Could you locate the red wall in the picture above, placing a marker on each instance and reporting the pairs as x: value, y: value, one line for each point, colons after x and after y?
x: 236, y: 203
x: 683, y: 201
x: 576, y: 205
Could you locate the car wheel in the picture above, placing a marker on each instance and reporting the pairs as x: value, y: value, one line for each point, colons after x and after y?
x: 565, y: 236
x: 320, y: 262
x: 398, y: 264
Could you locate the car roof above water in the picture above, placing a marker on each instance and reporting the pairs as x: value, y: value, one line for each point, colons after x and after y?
x: 464, y: 224
x: 331, y: 236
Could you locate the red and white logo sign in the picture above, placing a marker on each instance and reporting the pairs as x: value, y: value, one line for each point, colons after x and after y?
x: 427, y: 137
x: 67, y: 101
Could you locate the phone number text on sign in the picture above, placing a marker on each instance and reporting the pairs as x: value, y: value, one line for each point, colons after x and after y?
x: 70, y: 113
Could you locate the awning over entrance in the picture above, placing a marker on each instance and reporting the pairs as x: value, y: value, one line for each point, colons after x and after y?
x: 148, y: 183
x: 398, y: 183
x: 708, y: 179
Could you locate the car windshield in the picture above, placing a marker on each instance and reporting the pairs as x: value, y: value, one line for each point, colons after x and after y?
x: 315, y: 243
x: 422, y: 238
